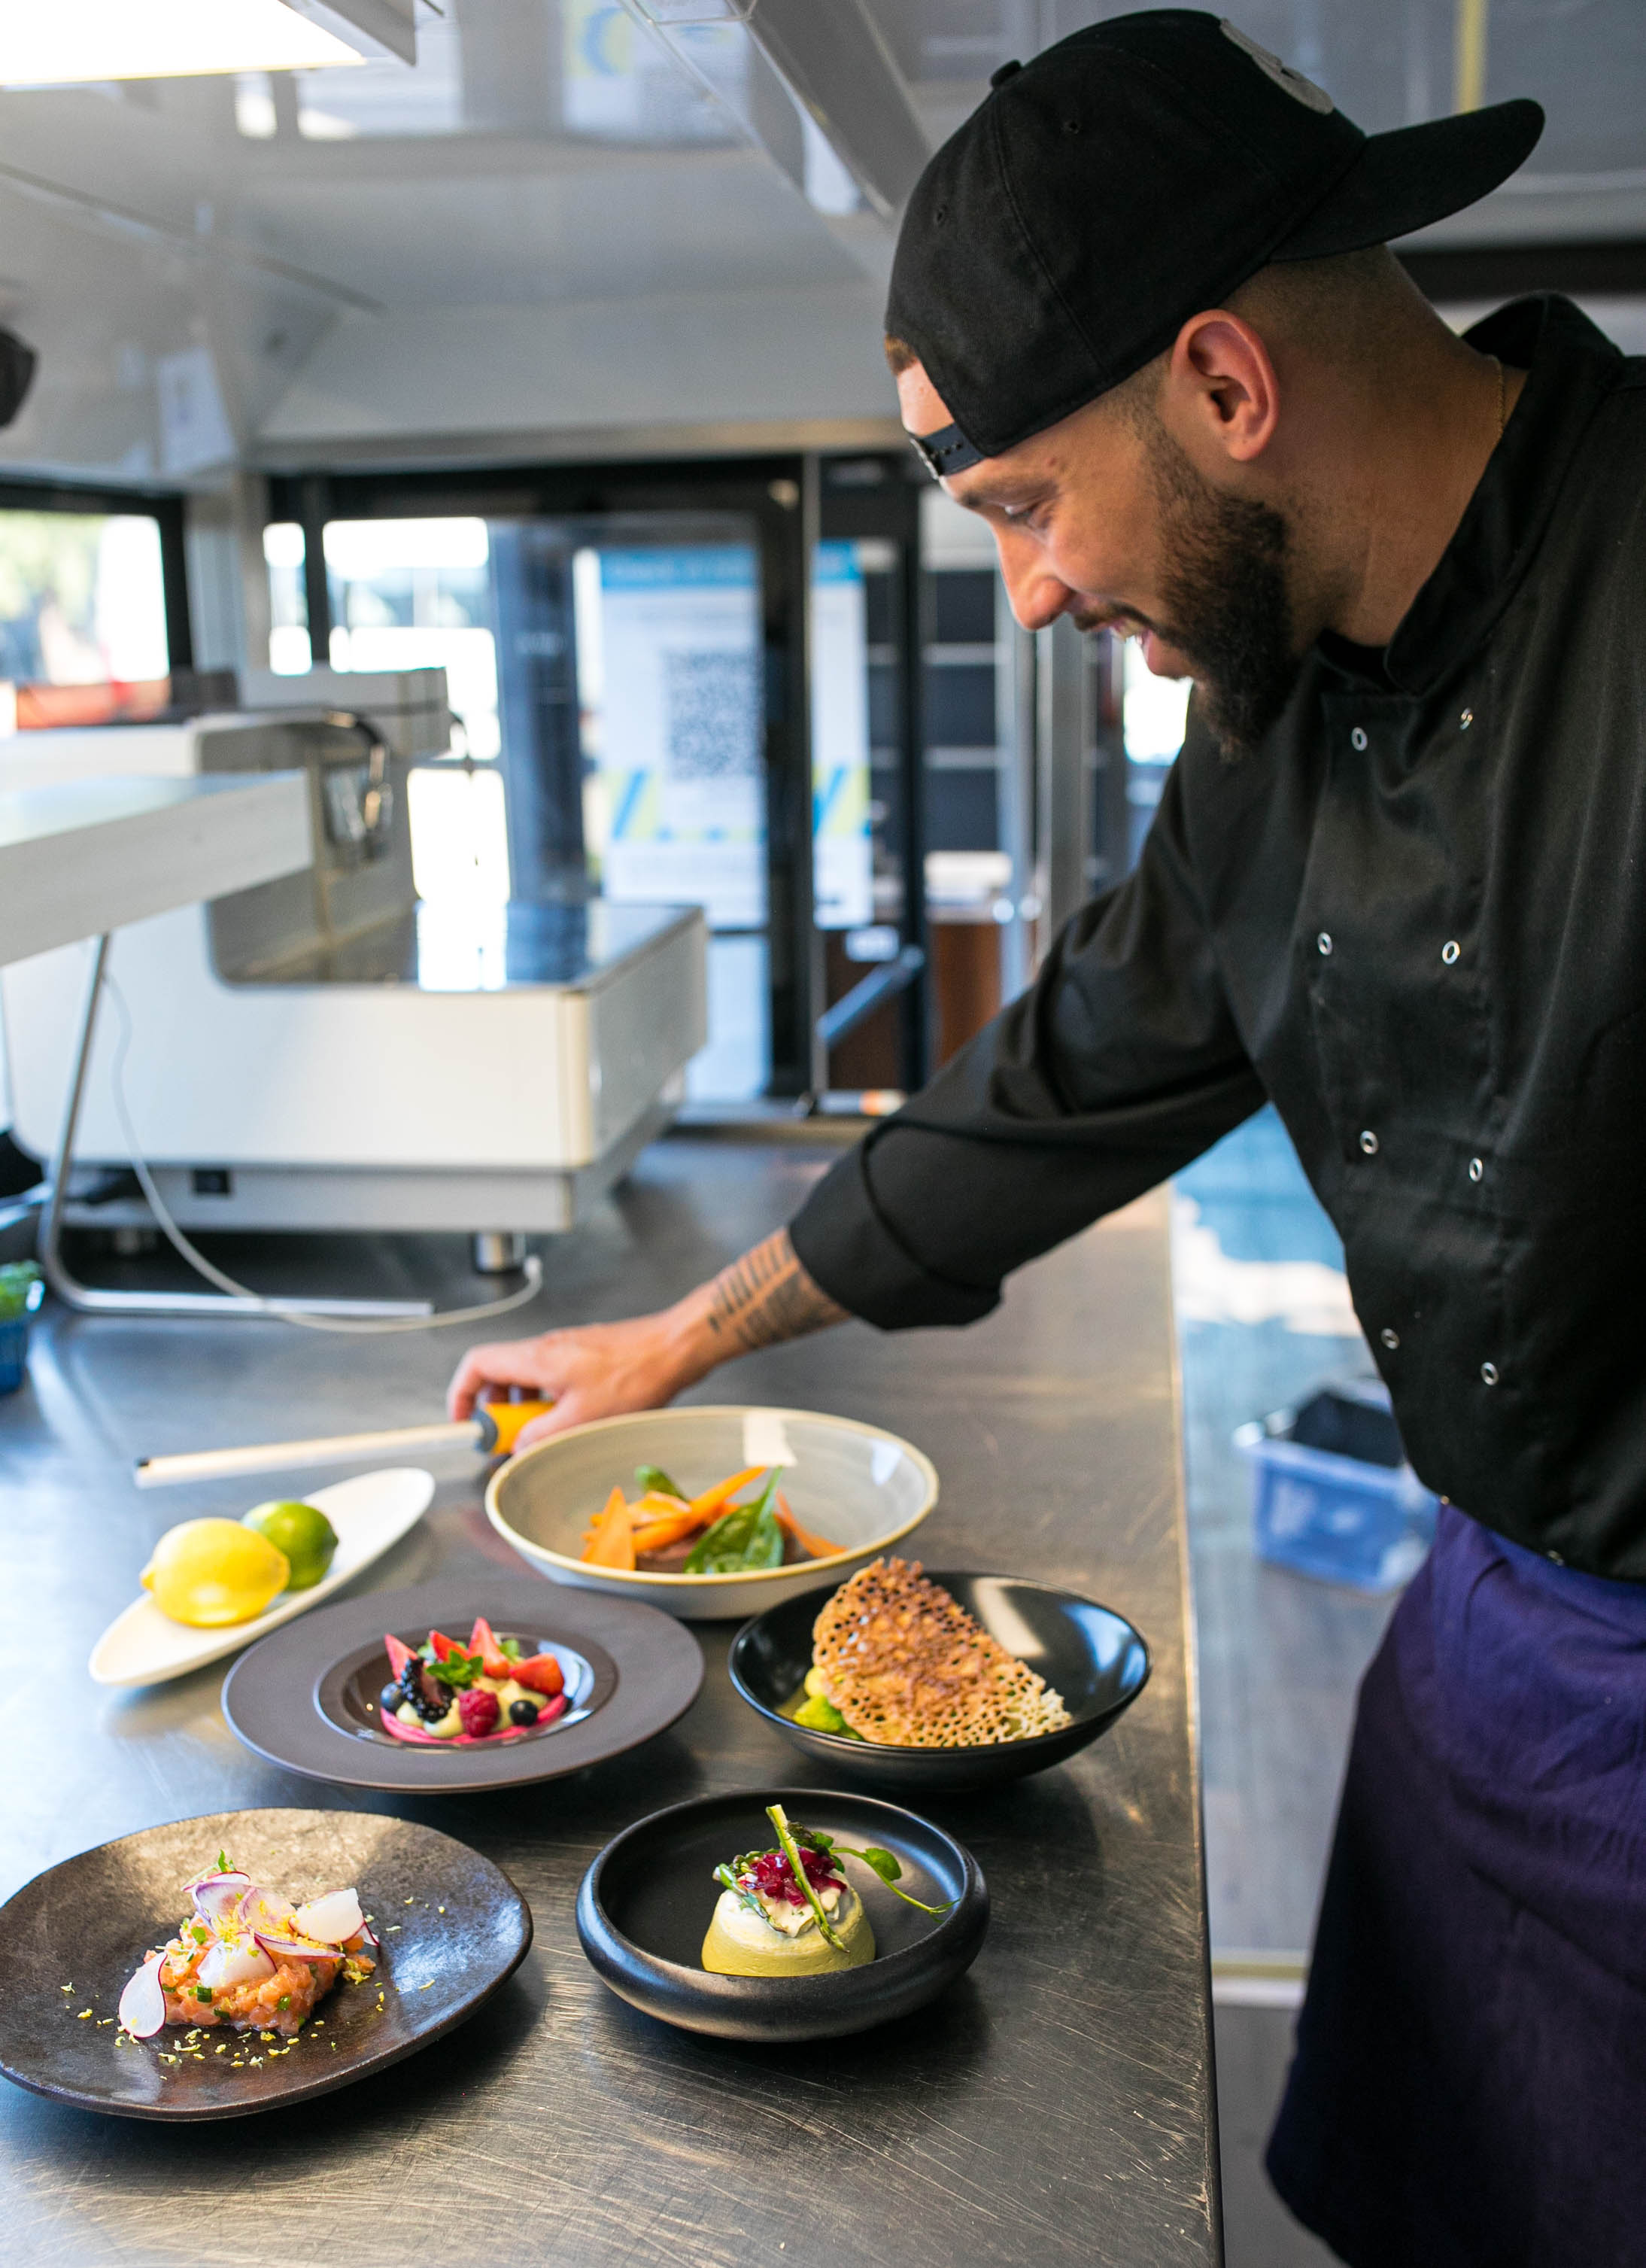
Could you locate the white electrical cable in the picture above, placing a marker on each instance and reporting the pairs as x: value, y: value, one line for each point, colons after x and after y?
x: 201, y: 1266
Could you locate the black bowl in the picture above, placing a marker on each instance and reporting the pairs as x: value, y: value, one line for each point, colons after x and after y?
x: 646, y: 1903
x: 1088, y: 1653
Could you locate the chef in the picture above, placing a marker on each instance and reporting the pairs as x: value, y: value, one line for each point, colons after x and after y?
x: 1144, y: 321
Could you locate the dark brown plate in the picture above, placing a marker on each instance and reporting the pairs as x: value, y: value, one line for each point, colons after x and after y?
x: 89, y: 1922
x: 304, y: 1697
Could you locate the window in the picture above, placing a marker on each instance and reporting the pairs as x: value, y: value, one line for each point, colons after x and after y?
x: 82, y: 599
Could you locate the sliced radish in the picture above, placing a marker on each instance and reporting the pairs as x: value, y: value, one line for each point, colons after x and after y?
x: 143, y: 2003
x: 330, y: 1918
x: 400, y: 1655
x: 238, y: 1961
x: 295, y: 1948
x: 217, y: 1897
x: 265, y: 1914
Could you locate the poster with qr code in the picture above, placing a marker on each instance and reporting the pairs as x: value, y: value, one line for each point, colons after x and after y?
x: 681, y: 762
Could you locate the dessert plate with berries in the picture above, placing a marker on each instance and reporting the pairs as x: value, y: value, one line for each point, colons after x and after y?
x: 467, y: 1684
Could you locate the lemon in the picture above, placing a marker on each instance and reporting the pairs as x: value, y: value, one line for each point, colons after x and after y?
x: 303, y: 1532
x: 209, y: 1571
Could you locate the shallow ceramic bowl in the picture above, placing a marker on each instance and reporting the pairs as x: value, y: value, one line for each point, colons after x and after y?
x: 1086, y: 1653
x: 645, y: 1904
x: 862, y: 1488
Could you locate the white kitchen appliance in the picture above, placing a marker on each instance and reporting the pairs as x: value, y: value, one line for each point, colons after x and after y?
x: 323, y: 1052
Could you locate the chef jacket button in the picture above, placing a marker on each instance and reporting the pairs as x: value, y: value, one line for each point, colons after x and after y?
x: 1449, y: 950
x: 1488, y: 1374
x: 1477, y: 1167
x: 1556, y: 1558
x: 1358, y: 740
x: 1466, y: 720
x: 1324, y: 941
x: 1368, y: 1143
x: 1391, y: 1339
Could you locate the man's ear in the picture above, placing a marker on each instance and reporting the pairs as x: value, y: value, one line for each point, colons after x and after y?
x: 1220, y: 385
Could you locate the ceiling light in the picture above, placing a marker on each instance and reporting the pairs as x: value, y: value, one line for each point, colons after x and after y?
x: 73, y: 42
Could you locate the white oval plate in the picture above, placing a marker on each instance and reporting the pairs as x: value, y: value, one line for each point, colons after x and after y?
x: 143, y: 1646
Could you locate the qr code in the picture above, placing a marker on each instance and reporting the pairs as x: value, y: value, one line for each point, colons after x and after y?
x: 712, y: 715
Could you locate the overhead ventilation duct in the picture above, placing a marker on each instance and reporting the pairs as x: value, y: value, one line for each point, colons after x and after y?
x: 838, y: 83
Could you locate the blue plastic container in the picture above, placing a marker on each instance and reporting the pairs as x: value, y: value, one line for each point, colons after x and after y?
x: 1340, y: 1519
x: 14, y: 1339
x: 13, y: 1354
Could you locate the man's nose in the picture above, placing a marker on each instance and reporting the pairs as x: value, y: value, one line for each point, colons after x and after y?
x: 1037, y: 596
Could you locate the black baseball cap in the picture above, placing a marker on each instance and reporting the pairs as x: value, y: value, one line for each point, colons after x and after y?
x: 1127, y: 177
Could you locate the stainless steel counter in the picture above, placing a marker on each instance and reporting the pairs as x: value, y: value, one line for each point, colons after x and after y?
x: 1056, y: 2107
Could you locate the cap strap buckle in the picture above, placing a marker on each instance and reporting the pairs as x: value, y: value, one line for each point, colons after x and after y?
x: 944, y: 452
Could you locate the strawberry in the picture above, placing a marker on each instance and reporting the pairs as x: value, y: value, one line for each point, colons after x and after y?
x: 443, y: 1645
x: 399, y: 1654
x: 539, y: 1672
x: 493, y: 1661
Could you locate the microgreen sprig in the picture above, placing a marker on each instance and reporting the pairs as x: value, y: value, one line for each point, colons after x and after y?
x: 790, y: 1850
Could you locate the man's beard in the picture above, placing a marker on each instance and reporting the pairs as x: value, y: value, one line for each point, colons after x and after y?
x: 1228, y: 606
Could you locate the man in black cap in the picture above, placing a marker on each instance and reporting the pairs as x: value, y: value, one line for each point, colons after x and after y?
x: 1145, y: 322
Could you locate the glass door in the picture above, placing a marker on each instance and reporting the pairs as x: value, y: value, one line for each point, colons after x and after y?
x: 624, y: 672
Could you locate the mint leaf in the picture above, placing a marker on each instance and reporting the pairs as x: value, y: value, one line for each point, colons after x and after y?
x: 458, y: 1671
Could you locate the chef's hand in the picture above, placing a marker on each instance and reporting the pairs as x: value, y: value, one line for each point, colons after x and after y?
x: 604, y: 1370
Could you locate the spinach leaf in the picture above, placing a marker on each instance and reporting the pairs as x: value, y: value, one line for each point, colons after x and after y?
x: 745, y: 1537
x: 653, y: 1478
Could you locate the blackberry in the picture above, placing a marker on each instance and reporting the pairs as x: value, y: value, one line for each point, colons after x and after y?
x: 428, y: 1697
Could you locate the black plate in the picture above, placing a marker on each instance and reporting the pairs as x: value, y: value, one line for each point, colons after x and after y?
x: 647, y: 1901
x: 89, y: 1922
x: 304, y: 1695
x: 1088, y: 1653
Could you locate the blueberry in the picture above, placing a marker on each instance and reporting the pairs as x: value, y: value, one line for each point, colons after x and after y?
x: 392, y: 1696
x: 524, y: 1713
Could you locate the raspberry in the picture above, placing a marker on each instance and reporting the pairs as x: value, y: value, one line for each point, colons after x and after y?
x: 479, y: 1711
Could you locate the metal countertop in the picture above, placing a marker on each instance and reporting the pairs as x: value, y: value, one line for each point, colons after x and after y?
x: 1055, y: 2106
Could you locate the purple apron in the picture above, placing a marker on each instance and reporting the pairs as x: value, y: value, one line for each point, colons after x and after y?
x: 1469, y: 2085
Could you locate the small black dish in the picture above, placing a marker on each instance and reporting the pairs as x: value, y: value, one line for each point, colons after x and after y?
x: 1090, y: 1654
x: 305, y: 1696
x: 646, y: 1903
x: 451, y: 1927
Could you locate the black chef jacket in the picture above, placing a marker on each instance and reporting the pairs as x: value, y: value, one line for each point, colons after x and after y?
x: 1415, y: 918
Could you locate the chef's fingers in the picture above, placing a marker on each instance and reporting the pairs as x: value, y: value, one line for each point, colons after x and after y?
x: 509, y: 1362
x: 564, y: 1415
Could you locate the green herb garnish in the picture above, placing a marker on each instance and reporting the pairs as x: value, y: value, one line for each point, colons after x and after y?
x: 202, y: 1992
x: 790, y: 1841
x: 790, y: 1850
x: 284, y: 2002
x: 224, y: 1866
x: 458, y: 1670
x: 743, y: 1539
x: 511, y: 1648
x: 884, y: 1863
x: 651, y: 1479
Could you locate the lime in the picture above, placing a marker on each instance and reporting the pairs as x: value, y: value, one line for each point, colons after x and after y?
x: 211, y: 1572
x: 303, y: 1533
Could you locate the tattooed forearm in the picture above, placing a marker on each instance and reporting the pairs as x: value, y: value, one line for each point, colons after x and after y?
x: 766, y: 1298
